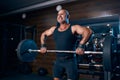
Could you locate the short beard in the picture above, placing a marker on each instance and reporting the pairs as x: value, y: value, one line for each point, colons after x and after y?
x: 64, y: 22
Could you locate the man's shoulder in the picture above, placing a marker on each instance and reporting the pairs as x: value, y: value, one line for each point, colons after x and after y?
x: 53, y: 27
x: 75, y: 26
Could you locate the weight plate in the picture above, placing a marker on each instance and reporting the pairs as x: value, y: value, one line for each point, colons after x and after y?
x: 22, y: 50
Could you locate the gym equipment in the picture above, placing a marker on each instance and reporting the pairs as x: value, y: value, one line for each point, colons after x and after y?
x: 27, y: 51
x: 86, y: 52
x: 22, y: 50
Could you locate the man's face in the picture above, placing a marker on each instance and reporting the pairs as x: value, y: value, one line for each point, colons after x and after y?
x: 61, y: 17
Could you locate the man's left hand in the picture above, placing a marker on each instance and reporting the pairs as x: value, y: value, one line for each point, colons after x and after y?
x: 79, y: 51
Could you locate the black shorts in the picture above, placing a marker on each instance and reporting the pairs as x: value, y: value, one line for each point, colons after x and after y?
x: 68, y: 66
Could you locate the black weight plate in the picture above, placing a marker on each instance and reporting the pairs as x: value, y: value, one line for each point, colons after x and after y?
x: 107, y: 53
x: 22, y: 50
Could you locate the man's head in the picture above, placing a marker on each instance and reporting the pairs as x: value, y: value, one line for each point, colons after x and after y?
x: 63, y: 16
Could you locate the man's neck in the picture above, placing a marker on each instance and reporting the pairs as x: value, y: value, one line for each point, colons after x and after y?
x: 64, y: 26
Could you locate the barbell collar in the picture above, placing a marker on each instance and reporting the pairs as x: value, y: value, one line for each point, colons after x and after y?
x: 86, y: 52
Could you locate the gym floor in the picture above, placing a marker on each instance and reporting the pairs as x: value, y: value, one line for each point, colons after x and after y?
x: 33, y: 77
x: 26, y: 77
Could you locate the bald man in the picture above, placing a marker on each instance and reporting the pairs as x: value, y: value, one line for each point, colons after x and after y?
x: 65, y: 39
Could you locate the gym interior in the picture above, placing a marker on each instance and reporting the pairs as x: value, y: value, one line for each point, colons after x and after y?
x: 25, y: 20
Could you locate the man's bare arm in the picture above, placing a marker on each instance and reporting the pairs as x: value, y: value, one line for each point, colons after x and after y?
x: 46, y: 34
x: 85, y: 32
x: 85, y: 35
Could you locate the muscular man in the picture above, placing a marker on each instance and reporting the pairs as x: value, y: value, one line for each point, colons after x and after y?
x: 64, y: 37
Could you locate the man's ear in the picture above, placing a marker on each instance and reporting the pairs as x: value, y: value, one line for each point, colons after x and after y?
x: 68, y: 16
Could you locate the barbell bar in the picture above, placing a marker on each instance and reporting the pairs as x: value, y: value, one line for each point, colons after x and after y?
x: 60, y: 51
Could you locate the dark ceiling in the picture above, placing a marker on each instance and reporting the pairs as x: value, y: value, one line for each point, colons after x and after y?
x: 8, y: 7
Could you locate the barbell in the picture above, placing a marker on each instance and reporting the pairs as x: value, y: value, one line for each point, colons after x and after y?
x: 27, y: 51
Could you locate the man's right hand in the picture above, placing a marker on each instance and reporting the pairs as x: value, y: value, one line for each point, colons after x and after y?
x: 43, y: 50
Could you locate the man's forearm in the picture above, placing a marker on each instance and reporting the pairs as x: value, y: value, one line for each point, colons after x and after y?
x: 42, y: 38
x: 85, y: 36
